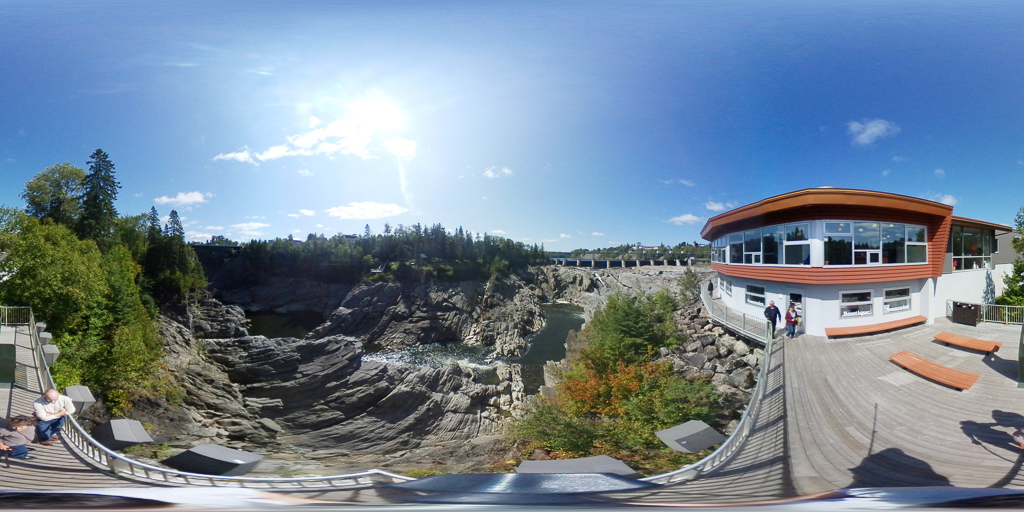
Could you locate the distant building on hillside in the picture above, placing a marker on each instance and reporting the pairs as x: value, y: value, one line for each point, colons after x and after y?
x: 851, y: 258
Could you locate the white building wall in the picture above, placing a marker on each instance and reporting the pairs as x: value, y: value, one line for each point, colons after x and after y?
x: 980, y: 286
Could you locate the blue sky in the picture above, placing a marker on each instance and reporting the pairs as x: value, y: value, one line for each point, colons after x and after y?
x: 573, y: 124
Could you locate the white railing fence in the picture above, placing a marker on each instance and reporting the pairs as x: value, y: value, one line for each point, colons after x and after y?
x: 996, y: 313
x: 739, y: 437
x: 117, y: 463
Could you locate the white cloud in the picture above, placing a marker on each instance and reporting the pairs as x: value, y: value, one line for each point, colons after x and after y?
x: 215, y: 228
x: 548, y: 240
x: 870, y: 130
x: 944, y: 199
x: 402, y: 148
x: 250, y: 228
x: 886, y: 172
x: 255, y: 217
x: 245, y: 155
x: 192, y: 235
x: 293, y: 215
x: 595, y: 233
x: 493, y: 172
x: 366, y: 210
x: 715, y: 206
x: 314, y: 122
x: 498, y: 232
x: 184, y: 199
x: 563, y: 235
x: 939, y: 173
x: 679, y: 181
x: 687, y: 218
x: 899, y: 158
x: 308, y: 213
x: 305, y: 172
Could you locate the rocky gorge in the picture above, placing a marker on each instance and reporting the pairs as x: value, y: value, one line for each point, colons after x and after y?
x: 316, y: 406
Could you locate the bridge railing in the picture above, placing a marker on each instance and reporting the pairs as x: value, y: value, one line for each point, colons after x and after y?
x: 119, y: 464
x: 749, y: 326
x: 741, y: 434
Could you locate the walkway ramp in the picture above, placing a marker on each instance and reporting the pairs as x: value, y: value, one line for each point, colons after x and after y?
x: 54, y: 467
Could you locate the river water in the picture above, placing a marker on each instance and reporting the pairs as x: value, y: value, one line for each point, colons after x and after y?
x: 546, y: 345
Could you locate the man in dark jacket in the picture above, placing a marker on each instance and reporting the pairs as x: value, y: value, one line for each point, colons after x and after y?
x: 773, y: 315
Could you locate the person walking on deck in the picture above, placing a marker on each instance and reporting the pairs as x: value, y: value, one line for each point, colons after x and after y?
x: 773, y: 315
x: 792, y: 319
x: 50, y: 410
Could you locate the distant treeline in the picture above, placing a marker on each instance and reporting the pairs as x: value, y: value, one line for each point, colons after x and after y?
x: 400, y: 253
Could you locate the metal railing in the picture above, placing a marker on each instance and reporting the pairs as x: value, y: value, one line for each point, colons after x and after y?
x: 739, y: 437
x: 121, y: 465
x: 13, y: 315
x: 996, y: 313
x: 749, y: 326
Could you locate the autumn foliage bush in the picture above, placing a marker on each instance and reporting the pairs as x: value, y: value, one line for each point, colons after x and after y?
x: 616, y: 394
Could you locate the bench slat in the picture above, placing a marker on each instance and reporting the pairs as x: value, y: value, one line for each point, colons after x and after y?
x: 971, y: 343
x: 934, y: 371
x: 869, y: 329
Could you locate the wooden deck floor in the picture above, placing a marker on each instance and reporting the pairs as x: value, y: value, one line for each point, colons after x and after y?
x: 855, y: 419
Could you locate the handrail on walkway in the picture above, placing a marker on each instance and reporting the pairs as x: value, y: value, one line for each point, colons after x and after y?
x: 121, y: 465
x: 739, y: 436
x: 996, y: 313
x: 749, y: 326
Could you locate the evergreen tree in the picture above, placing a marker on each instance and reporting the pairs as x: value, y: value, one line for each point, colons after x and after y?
x: 153, y: 231
x: 100, y: 190
x: 174, y: 229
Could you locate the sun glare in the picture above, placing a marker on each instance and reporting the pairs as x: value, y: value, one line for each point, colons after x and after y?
x: 377, y: 114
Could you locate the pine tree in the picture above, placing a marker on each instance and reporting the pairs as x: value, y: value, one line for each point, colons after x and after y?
x: 98, y: 213
x: 174, y: 229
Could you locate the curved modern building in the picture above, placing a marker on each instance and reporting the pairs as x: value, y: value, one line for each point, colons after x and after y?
x: 855, y: 258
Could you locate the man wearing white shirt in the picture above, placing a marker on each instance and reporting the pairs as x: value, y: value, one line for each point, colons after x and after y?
x: 50, y: 409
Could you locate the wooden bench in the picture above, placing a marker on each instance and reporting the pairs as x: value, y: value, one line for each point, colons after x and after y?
x: 971, y: 343
x: 858, y: 330
x: 934, y: 371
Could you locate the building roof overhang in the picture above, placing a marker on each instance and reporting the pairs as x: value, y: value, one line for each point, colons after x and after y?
x: 719, y: 225
x: 964, y: 221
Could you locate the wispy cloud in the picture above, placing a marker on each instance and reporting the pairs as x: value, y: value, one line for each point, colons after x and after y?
x: 870, y: 130
x: 898, y: 158
x: 943, y: 198
x: 305, y: 172
x: 563, y: 235
x: 359, y: 135
x: 678, y: 181
x: 494, y: 172
x: 716, y: 206
x: 939, y: 173
x: 249, y: 228
x: 366, y: 210
x: 243, y: 155
x: 687, y: 218
x: 886, y: 172
x: 308, y: 213
x: 215, y: 228
x: 497, y: 232
x: 184, y: 199
x: 595, y: 233
x: 193, y: 235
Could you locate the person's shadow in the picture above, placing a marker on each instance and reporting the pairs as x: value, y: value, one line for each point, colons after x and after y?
x: 986, y: 434
x: 893, y: 468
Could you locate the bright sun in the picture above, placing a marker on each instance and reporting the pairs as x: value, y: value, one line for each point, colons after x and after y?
x: 376, y: 114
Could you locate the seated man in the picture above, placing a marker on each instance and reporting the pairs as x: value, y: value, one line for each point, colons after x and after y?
x: 13, y: 439
x: 50, y: 409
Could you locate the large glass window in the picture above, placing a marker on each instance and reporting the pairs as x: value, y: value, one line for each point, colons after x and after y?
x: 752, y: 246
x: 838, y: 243
x: 798, y: 244
x: 894, y: 243
x: 854, y: 304
x: 972, y: 247
x: 867, y: 245
x: 917, y: 244
x: 771, y: 244
x: 896, y: 300
x: 755, y: 295
x: 736, y: 248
